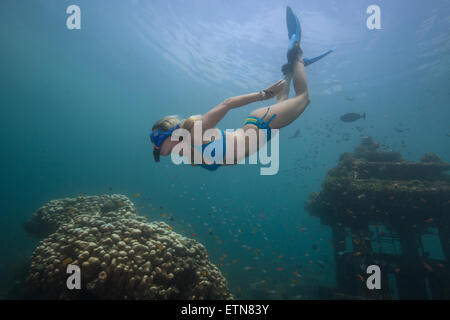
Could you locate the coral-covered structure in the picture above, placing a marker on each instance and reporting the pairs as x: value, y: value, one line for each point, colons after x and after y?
x: 390, y: 212
x: 122, y: 256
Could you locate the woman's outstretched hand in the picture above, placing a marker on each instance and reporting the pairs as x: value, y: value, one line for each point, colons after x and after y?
x: 273, y: 90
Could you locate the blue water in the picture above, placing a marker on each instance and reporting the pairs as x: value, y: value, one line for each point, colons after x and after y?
x: 77, y: 107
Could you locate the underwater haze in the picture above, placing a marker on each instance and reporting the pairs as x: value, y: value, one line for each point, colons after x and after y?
x: 77, y: 107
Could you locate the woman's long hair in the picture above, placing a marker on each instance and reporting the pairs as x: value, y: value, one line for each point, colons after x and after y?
x: 166, y: 123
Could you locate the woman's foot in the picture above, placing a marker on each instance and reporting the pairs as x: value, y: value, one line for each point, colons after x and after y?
x: 274, y: 89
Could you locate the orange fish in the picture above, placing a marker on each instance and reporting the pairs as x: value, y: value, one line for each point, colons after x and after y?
x: 193, y: 235
x: 203, y: 273
x: 302, y: 229
x: 67, y: 261
x: 280, y: 269
x: 160, y: 246
x: 360, y: 277
x: 294, y: 273
x: 163, y: 215
x: 357, y: 254
x: 137, y: 195
x: 429, y: 220
x: 280, y: 257
x: 428, y: 266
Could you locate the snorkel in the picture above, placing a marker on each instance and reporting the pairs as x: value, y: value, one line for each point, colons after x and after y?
x: 157, y: 137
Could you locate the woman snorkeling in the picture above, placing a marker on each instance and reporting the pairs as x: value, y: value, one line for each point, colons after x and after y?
x: 276, y: 116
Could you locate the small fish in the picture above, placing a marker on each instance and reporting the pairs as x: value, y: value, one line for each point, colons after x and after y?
x: 356, y: 254
x: 71, y: 211
x: 160, y: 246
x: 163, y: 215
x: 203, y: 273
x: 429, y: 220
x: 280, y: 269
x: 248, y: 268
x: 193, y: 235
x: 295, y: 135
x: 352, y: 117
x: 360, y: 277
x: 137, y: 195
x: 67, y: 261
x: 429, y: 268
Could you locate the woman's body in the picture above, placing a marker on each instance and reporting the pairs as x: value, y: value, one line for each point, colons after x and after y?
x: 276, y: 116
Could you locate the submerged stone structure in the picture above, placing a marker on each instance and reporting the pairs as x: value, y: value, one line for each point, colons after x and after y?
x: 389, y: 212
x: 119, y: 253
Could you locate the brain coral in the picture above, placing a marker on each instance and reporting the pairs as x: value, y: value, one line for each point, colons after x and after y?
x: 122, y: 256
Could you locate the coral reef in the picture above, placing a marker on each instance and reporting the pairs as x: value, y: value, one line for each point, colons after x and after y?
x: 57, y: 212
x: 122, y: 256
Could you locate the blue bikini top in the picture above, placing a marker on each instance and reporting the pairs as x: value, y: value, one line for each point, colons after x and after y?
x: 217, y: 145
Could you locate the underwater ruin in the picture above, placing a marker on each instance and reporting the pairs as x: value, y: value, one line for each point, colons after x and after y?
x: 387, y: 211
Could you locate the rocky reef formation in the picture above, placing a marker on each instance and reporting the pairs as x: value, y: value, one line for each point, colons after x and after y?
x: 383, y: 210
x: 58, y: 212
x: 120, y: 255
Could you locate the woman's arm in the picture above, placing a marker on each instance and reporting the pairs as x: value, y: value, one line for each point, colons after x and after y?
x: 212, y: 117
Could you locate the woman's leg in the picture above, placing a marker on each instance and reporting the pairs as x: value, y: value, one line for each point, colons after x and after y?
x: 289, y: 110
x: 284, y: 94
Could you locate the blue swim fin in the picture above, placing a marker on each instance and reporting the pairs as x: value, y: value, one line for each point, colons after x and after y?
x: 293, y: 27
x: 295, y: 35
x: 307, y: 61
